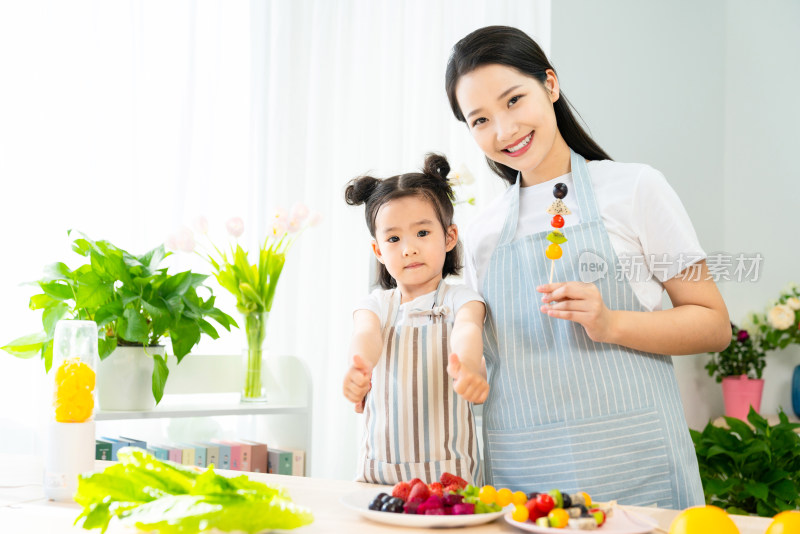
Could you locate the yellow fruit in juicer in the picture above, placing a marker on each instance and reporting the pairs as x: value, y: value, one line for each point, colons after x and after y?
x: 73, y: 398
x: 703, y: 520
x: 785, y: 523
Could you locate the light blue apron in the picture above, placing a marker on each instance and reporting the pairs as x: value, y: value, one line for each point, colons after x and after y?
x: 563, y: 411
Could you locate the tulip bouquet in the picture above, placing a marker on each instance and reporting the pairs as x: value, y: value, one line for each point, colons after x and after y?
x: 253, y: 283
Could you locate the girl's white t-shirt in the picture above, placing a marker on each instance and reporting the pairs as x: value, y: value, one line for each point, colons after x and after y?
x: 379, y: 300
x: 647, y: 225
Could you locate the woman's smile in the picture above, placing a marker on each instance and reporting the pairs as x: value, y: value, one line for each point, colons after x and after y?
x: 519, y: 147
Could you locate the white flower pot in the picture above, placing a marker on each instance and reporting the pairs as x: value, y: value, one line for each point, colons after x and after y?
x: 125, y: 379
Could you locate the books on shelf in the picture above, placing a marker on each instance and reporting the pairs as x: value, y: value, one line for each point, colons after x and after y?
x: 234, y: 455
x: 280, y: 462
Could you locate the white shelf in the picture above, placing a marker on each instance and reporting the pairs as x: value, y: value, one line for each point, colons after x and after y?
x: 202, y: 405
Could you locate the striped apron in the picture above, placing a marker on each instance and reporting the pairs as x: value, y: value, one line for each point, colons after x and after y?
x: 563, y: 411
x: 416, y: 424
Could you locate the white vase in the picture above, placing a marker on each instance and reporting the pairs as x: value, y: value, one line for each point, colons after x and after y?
x: 125, y: 379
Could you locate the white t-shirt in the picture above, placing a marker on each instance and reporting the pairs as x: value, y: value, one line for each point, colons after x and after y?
x: 647, y: 224
x: 379, y: 301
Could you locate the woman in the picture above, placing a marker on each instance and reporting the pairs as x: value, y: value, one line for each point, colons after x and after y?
x: 583, y: 395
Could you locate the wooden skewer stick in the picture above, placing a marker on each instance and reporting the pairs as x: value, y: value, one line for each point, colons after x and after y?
x: 552, y: 268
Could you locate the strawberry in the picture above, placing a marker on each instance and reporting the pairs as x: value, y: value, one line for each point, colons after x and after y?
x: 436, y: 488
x: 452, y: 488
x: 419, y: 492
x: 414, y: 481
x: 448, y: 479
x: 401, y: 490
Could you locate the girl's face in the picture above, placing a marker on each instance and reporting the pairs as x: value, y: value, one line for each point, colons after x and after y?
x: 411, y: 243
x: 511, y: 117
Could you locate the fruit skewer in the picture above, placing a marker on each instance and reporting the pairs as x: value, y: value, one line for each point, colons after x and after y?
x: 557, y: 209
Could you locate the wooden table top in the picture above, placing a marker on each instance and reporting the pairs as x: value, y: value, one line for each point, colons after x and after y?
x: 24, y: 509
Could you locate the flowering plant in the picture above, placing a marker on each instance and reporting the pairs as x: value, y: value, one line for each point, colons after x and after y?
x: 780, y: 325
x: 744, y: 356
x: 461, y: 177
x: 252, y: 283
x: 774, y: 329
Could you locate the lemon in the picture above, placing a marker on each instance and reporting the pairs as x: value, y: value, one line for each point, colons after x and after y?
x: 785, y: 523
x: 703, y: 520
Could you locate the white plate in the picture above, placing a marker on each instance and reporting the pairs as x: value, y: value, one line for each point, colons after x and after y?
x: 620, y: 522
x: 359, y: 502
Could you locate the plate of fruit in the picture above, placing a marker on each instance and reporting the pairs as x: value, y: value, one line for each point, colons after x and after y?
x: 451, y: 502
x: 554, y: 512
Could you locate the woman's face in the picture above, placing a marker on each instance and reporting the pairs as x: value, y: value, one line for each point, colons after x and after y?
x: 511, y: 117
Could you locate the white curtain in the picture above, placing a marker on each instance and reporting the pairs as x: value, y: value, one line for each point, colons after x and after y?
x: 127, y: 120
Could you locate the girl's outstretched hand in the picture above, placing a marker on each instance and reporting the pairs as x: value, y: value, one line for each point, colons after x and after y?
x: 357, y: 382
x: 579, y: 302
x: 472, y: 386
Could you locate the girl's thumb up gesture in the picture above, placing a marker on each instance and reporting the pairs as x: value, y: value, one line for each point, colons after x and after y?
x: 357, y: 382
x: 471, y: 385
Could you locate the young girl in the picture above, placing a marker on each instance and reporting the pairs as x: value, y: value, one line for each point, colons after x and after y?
x: 579, y: 369
x: 416, y: 348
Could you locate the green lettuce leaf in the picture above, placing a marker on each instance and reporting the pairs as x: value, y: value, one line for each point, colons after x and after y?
x: 152, y: 495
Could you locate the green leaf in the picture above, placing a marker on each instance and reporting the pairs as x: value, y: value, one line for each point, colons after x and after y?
x: 108, y: 313
x: 26, y: 346
x: 177, y: 284
x: 93, y: 291
x: 153, y: 258
x: 160, y: 374
x: 47, y: 354
x: 56, y: 271
x: 52, y: 315
x: 757, y: 489
x: 132, y: 327
x: 785, y: 490
x: 740, y: 427
x: 105, y: 346
x: 57, y: 290
x: 207, y: 329
x: 41, y: 301
x: 184, y: 336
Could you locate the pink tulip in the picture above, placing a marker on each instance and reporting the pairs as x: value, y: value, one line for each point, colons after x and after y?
x: 201, y: 224
x: 185, y: 240
x: 299, y: 212
x: 315, y: 219
x: 279, y: 227
x: 235, y: 226
x: 172, y: 243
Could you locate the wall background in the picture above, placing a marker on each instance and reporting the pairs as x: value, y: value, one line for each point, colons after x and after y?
x: 706, y: 92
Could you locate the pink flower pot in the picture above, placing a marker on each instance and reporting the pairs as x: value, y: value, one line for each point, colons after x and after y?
x: 739, y: 393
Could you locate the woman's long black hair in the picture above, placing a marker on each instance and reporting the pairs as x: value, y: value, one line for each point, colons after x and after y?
x: 504, y: 45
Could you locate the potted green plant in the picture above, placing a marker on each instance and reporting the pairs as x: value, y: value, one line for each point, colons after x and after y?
x: 136, y: 304
x: 750, y: 469
x: 739, y: 368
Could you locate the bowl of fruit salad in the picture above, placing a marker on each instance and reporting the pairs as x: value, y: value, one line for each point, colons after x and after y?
x: 451, y: 502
